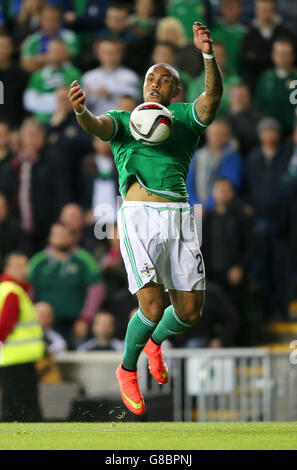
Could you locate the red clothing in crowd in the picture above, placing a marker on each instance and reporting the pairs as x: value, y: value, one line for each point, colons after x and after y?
x: 9, y: 313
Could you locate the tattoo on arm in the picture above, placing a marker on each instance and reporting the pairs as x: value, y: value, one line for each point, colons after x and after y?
x: 213, y: 79
x: 207, y: 104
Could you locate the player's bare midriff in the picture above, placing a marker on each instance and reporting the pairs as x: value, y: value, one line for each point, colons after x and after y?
x: 137, y: 193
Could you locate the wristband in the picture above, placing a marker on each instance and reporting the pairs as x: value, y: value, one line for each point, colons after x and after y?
x: 81, y: 113
x: 208, y: 56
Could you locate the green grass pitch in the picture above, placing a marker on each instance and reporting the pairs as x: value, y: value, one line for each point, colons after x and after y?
x: 151, y: 436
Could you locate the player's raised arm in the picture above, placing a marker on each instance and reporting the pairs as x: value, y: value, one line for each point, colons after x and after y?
x: 101, y: 126
x: 208, y: 102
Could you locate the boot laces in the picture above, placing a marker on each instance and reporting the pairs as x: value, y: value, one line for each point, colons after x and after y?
x: 134, y: 379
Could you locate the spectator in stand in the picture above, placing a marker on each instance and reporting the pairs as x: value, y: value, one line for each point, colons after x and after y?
x: 12, y: 237
x: 22, y: 342
x: 266, y: 168
x: 40, y: 95
x: 112, y: 264
x: 292, y: 169
x: 117, y: 24
x: 187, y: 11
x: 143, y: 21
x: 103, y: 330
x: 230, y: 32
x: 72, y: 216
x: 266, y: 175
x: 69, y: 280
x: 14, y: 81
x: 105, y: 84
x: 6, y: 156
x: 171, y: 30
x: 230, y: 79
x: 14, y: 141
x: 85, y: 16
x: 166, y: 52
x: 35, y: 47
x: 228, y: 241
x: 54, y: 342
x: 219, y: 158
x: 41, y: 183
x: 287, y: 9
x: 102, y: 185
x: 64, y: 134
x: 219, y: 324
x: 287, y: 232
x: 273, y: 87
x: 27, y: 21
x: 82, y: 233
x: 257, y: 44
x: 243, y: 118
x: 126, y: 103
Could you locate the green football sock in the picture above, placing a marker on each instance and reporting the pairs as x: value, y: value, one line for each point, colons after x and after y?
x: 169, y: 325
x: 139, y: 330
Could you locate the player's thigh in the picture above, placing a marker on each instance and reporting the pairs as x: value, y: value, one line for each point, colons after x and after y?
x: 151, y: 300
x: 188, y: 304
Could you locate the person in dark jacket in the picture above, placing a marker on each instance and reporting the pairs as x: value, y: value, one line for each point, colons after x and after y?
x: 63, y: 134
x: 266, y: 168
x: 243, y: 118
x: 14, y: 81
x: 266, y: 178
x: 41, y: 183
x: 12, y: 237
x: 6, y: 156
x: 257, y: 44
x: 274, y: 96
x: 227, y: 241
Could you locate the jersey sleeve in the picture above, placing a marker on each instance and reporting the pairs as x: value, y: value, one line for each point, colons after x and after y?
x: 190, y: 116
x: 116, y: 116
x: 187, y: 113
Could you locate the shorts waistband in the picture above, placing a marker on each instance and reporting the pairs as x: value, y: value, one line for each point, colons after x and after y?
x: 155, y: 205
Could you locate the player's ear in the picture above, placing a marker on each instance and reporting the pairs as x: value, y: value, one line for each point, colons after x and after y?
x: 178, y: 89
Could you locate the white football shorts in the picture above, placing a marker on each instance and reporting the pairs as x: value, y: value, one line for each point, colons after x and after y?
x: 159, y: 243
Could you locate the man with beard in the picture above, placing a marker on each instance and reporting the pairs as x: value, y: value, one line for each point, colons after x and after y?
x: 70, y: 281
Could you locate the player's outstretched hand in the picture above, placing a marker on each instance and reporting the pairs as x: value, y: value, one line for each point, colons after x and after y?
x: 202, y: 38
x: 77, y: 97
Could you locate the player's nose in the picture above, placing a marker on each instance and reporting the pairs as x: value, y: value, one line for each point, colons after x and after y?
x: 155, y: 85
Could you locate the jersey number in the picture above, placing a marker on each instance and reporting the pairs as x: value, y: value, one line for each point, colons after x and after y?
x: 200, y: 267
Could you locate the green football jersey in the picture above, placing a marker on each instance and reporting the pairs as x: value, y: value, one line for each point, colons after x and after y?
x: 161, y: 169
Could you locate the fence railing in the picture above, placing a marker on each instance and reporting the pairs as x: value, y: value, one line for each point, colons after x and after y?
x: 240, y: 384
x: 217, y: 385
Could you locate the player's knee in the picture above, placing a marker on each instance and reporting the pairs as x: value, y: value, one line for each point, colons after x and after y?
x: 193, y: 316
x: 154, y: 311
x: 193, y: 313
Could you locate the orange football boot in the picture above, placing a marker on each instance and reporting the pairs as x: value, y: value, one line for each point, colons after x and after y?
x: 131, y: 395
x: 157, y: 365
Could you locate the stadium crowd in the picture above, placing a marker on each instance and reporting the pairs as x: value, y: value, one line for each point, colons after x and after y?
x: 53, y: 175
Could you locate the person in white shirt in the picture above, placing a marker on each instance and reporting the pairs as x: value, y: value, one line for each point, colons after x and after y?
x: 106, y: 83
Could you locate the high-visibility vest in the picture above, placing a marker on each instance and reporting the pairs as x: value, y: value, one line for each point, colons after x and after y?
x: 25, y: 342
